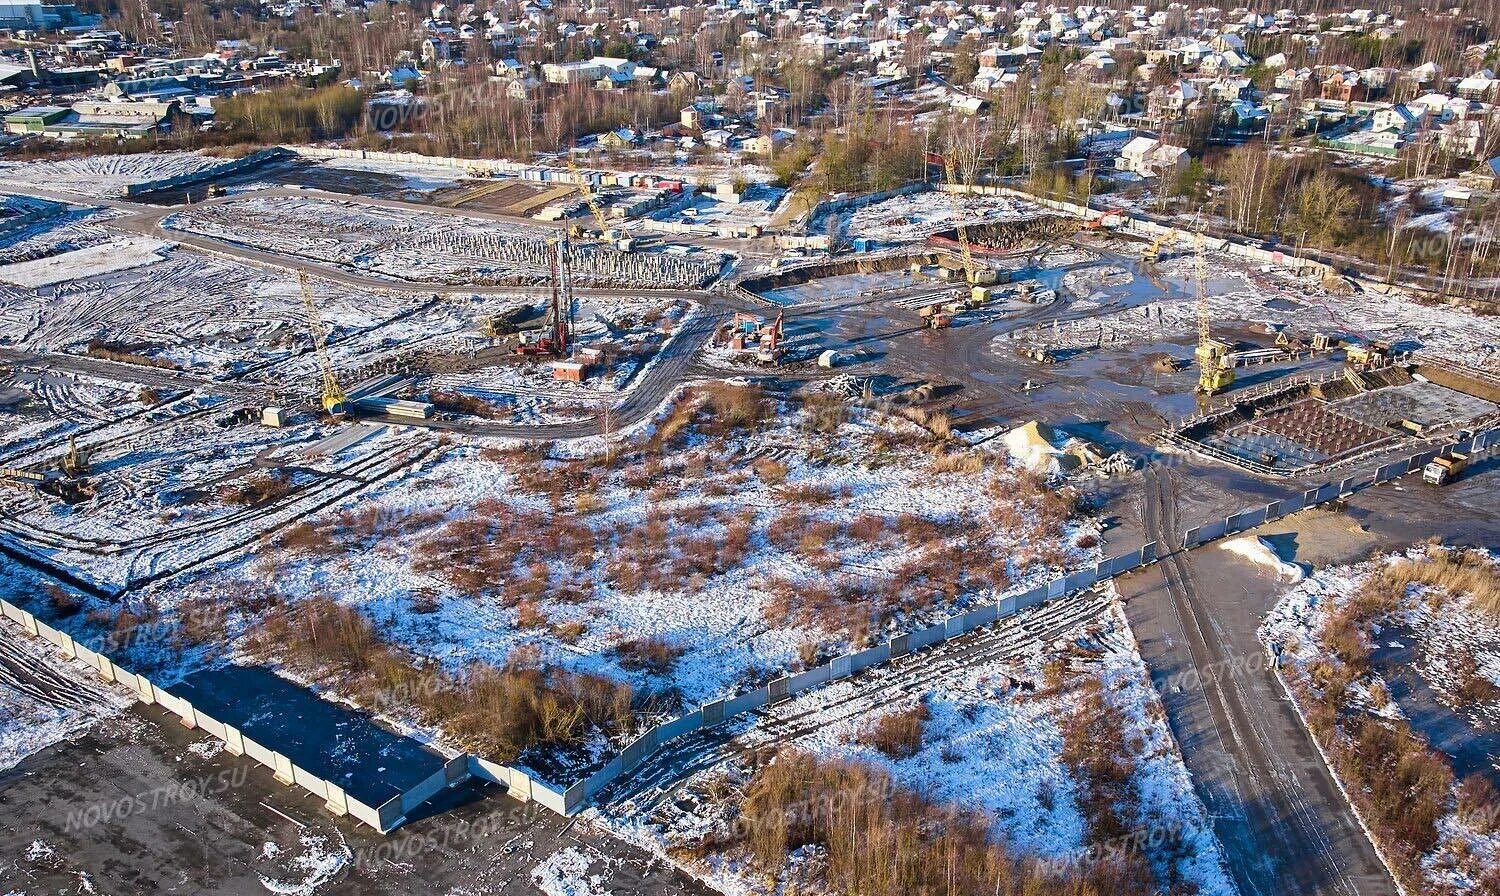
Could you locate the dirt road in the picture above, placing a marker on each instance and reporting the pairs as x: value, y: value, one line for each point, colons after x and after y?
x: 1284, y: 826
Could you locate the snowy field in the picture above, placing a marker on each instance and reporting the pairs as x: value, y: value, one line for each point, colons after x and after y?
x: 190, y: 311
x: 919, y: 215
x: 76, y: 229
x: 992, y: 741
x: 419, y: 246
x: 102, y: 177
x: 117, y: 254
x: 44, y: 699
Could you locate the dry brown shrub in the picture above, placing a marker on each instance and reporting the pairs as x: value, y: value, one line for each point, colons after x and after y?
x: 881, y: 840
x: 967, y: 462
x: 653, y: 654
x: 1452, y: 570
x: 899, y: 734
x: 529, y: 616
x: 770, y: 470
x: 257, y: 489
x: 495, y: 712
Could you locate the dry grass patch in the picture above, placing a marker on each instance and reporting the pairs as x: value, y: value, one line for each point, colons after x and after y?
x: 497, y: 712
x: 899, y: 734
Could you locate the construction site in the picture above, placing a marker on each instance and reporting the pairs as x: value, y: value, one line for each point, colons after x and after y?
x: 545, y: 425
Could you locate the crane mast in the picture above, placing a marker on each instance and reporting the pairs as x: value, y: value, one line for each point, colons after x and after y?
x: 1215, y: 361
x: 335, y: 401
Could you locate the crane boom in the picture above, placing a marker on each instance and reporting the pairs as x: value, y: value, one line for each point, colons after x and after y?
x: 958, y: 219
x: 335, y: 401
x: 587, y: 191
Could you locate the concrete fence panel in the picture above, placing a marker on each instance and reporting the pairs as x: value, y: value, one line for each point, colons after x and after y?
x: 685, y: 724
x: 1192, y: 537
x: 1006, y: 607
x: 713, y: 713
x: 1273, y: 511
x: 746, y: 702
x: 900, y: 646
x: 1057, y: 587
x: 549, y: 798
x: 1033, y: 597
x: 954, y: 626
x: 777, y: 689
x: 1148, y: 552
x: 361, y: 812
x: 811, y: 678
x: 841, y: 667
x: 980, y: 616
x: 926, y: 637
x: 872, y: 656
x: 1079, y: 580
x: 1346, y: 486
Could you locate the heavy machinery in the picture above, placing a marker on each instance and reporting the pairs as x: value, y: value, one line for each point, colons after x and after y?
x: 76, y: 462
x: 1152, y: 253
x: 335, y: 401
x: 979, y: 280
x: 1215, y: 361
x: 935, y: 316
x: 1443, y: 470
x: 555, y: 337
x: 770, y: 352
x: 617, y: 237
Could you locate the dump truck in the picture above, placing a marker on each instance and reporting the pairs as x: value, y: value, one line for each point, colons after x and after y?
x: 1443, y: 470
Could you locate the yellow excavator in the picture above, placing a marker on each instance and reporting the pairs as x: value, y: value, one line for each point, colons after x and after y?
x: 335, y: 401
x: 1152, y: 253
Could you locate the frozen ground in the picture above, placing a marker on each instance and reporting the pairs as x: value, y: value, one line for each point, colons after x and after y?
x: 1238, y: 292
x: 44, y: 699
x: 117, y: 254
x: 992, y: 742
x: 918, y: 215
x: 102, y: 176
x: 408, y: 245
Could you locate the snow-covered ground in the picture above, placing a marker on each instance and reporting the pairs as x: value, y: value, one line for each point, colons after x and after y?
x: 992, y: 742
x: 718, y: 622
x: 918, y: 215
x: 118, y: 254
x: 68, y: 699
x: 1454, y: 650
x: 102, y: 176
x: 1239, y: 292
x: 431, y: 246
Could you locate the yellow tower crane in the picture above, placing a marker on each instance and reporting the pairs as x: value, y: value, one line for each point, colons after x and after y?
x: 586, y: 190
x: 1215, y: 366
x: 979, y: 284
x: 335, y: 401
